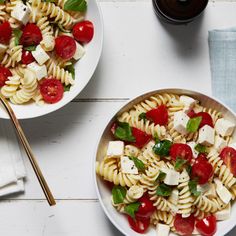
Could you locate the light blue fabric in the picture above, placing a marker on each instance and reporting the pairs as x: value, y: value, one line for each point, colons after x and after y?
x: 222, y: 49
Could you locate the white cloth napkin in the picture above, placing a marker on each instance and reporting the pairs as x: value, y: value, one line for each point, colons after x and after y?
x: 12, y: 169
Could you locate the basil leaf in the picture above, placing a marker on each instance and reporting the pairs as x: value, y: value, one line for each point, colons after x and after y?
x: 17, y: 33
x: 124, y: 132
x: 142, y: 116
x: 132, y: 208
x: 162, y: 148
x: 163, y: 190
x: 71, y: 69
x: 179, y: 163
x: 138, y: 163
x: 200, y: 148
x: 67, y: 87
x: 193, y: 188
x: 30, y: 48
x: 118, y: 194
x: 161, y: 176
x: 75, y: 5
x: 189, y: 169
x: 193, y: 124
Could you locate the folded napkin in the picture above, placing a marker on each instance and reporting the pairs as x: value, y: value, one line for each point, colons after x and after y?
x: 12, y: 169
x: 222, y: 49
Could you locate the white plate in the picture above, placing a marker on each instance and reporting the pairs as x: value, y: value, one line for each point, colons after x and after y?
x: 84, y: 70
x: 104, y: 194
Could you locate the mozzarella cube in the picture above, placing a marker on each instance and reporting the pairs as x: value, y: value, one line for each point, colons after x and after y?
x: 79, y: 52
x: 222, y: 191
x: 128, y: 166
x: 180, y: 122
x: 206, y: 135
x: 39, y: 71
x: 21, y: 12
x: 3, y: 48
x: 232, y: 145
x: 194, y: 151
x: 220, y: 143
x: 174, y: 197
x: 115, y: 148
x: 188, y: 101
x: 172, y: 177
x: 224, y: 127
x: 40, y: 55
x: 223, y: 214
x: 162, y: 229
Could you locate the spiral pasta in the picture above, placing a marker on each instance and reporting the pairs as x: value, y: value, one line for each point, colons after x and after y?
x: 11, y: 86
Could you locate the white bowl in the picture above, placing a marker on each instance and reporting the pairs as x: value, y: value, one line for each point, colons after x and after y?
x: 104, y: 194
x: 84, y: 70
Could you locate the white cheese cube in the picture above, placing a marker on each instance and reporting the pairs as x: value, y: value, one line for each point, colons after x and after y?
x: 223, y: 214
x: 172, y: 177
x: 79, y: 52
x: 206, y: 135
x: 180, y: 122
x: 220, y: 143
x: 188, y: 101
x: 128, y: 166
x: 224, y: 127
x: 21, y: 12
x: 162, y: 230
x: 39, y: 71
x: 40, y: 55
x: 174, y: 197
x: 115, y: 148
x: 232, y: 145
x: 222, y: 191
x: 3, y: 48
x: 193, y: 145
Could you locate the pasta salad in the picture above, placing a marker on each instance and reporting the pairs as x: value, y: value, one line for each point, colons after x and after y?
x: 40, y: 40
x: 171, y: 165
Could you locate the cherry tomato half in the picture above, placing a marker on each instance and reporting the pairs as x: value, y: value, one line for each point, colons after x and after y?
x: 146, y: 208
x: 180, y: 150
x: 158, y: 115
x: 141, y: 137
x: 140, y: 225
x: 6, y: 32
x: 202, y: 170
x: 184, y: 226
x: 207, y: 226
x: 52, y: 90
x: 191, y: 114
x: 27, y: 57
x: 83, y: 31
x: 65, y: 47
x: 4, y: 74
x: 228, y: 155
x: 206, y: 119
x: 31, y: 35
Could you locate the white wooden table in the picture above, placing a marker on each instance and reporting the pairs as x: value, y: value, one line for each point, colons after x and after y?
x: 139, y: 54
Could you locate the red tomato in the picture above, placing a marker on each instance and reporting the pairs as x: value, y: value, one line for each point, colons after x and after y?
x: 184, y: 226
x: 65, y: 47
x: 228, y: 155
x: 4, y: 74
x: 191, y: 113
x: 27, y: 57
x: 52, y: 90
x: 31, y: 35
x: 158, y: 115
x: 206, y: 119
x: 6, y: 32
x: 113, y: 127
x: 83, y: 31
x: 207, y: 226
x: 141, y: 137
x: 180, y: 150
x: 146, y: 208
x: 140, y: 225
x: 202, y: 170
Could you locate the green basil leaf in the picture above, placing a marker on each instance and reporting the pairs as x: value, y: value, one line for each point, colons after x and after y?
x: 162, y: 148
x: 193, y: 188
x: 132, y: 208
x: 124, y: 132
x: 67, y: 87
x: 142, y: 116
x: 71, y: 69
x: 118, y: 194
x: 189, y: 169
x: 30, y: 48
x: 179, y: 163
x: 75, y: 5
x: 161, y: 176
x: 193, y: 124
x: 17, y: 33
x: 163, y: 190
x: 200, y: 148
x: 138, y: 163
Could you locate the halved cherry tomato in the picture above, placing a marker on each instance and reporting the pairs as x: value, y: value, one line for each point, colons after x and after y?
x: 206, y: 119
x: 202, y: 170
x: 180, y: 150
x: 146, y: 208
x: 4, y: 74
x: 6, y: 32
x: 83, y: 31
x: 31, y: 35
x: 207, y: 226
x: 140, y: 225
x: 191, y: 113
x: 65, y: 47
x: 184, y: 226
x: 27, y: 57
x: 51, y: 90
x: 228, y: 155
x: 141, y: 137
x: 158, y: 115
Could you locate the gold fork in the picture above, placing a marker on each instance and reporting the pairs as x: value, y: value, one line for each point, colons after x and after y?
x: 28, y: 150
